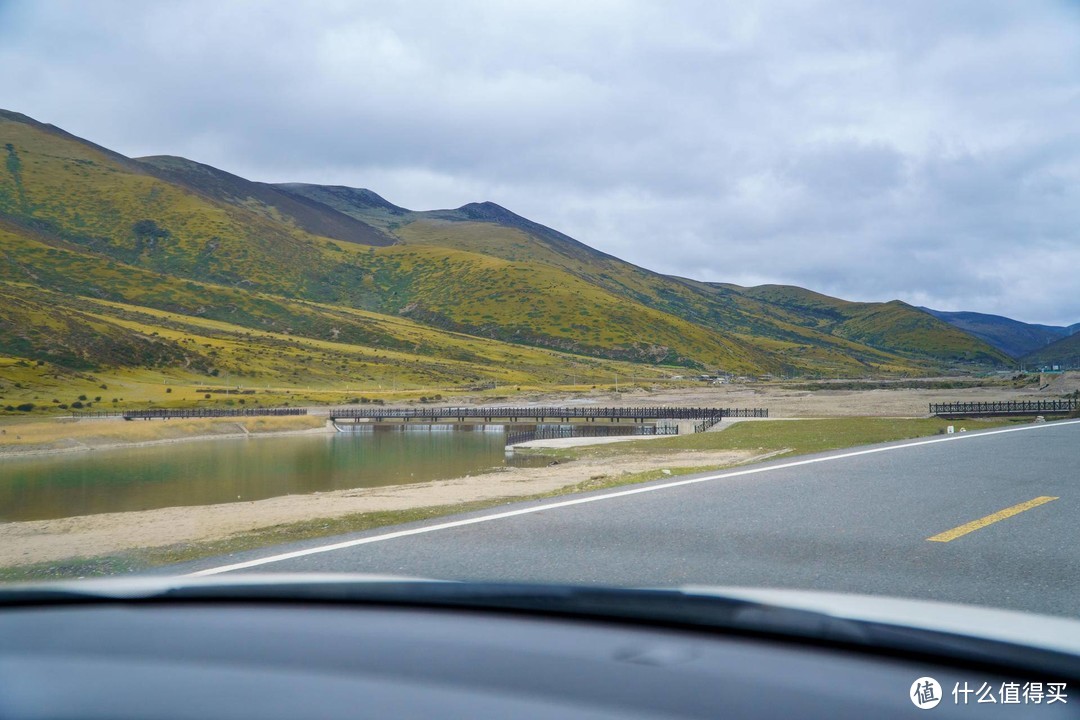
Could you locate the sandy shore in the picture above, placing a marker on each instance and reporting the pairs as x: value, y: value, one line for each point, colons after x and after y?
x: 54, y: 437
x: 79, y: 447
x: 92, y: 535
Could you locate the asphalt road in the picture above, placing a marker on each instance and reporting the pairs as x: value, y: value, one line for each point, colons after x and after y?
x: 852, y: 521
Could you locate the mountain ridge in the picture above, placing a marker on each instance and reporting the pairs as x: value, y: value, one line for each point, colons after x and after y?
x: 1013, y: 337
x: 255, y: 254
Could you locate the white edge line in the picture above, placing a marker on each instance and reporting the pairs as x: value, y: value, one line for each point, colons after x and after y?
x: 606, y: 496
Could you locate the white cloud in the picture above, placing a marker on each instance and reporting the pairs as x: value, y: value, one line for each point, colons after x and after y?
x: 919, y: 150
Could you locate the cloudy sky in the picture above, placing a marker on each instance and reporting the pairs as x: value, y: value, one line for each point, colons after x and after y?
x: 927, y: 151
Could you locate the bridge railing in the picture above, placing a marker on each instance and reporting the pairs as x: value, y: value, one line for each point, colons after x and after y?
x: 541, y: 413
x: 1006, y: 407
x: 706, y: 424
x: 166, y: 413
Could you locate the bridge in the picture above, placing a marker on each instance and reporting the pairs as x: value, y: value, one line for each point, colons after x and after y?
x: 955, y: 410
x: 542, y: 414
x: 182, y: 413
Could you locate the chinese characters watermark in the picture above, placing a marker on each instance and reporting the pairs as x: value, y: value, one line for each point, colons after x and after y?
x: 926, y: 693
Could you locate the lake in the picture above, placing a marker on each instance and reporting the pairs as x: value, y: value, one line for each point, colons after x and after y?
x: 207, y: 472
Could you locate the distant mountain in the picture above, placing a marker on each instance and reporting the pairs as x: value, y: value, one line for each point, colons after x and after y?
x: 1064, y: 353
x: 154, y: 251
x: 894, y: 325
x: 1013, y: 337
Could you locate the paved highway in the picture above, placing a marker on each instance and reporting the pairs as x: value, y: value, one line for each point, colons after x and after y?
x: 989, y: 518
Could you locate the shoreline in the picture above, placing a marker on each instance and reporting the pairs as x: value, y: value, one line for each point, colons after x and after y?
x: 124, y: 445
x: 85, y: 537
x: 783, y: 401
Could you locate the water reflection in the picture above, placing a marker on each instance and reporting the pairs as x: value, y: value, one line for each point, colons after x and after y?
x: 221, y: 471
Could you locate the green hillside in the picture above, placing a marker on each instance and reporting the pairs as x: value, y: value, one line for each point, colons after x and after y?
x: 129, y: 305
x: 266, y: 200
x: 72, y: 193
x: 166, y: 264
x: 893, y: 326
x: 1064, y: 353
x: 840, y: 336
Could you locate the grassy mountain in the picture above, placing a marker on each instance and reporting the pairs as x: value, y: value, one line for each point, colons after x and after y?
x: 106, y: 261
x: 894, y: 326
x: 1012, y: 337
x: 185, y: 220
x: 1064, y: 352
x: 873, y: 337
x: 274, y: 204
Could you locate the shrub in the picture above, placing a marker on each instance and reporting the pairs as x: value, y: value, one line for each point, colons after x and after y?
x: 25, y: 407
x: 168, y: 390
x: 62, y: 406
x: 82, y: 397
x: 77, y: 405
x: 206, y: 396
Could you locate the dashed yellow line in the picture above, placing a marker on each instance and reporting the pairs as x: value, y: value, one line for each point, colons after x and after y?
x: 990, y: 519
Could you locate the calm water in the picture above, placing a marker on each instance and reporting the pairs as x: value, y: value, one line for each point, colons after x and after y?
x: 221, y: 471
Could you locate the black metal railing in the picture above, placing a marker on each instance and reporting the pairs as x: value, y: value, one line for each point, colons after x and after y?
x: 167, y: 413
x: 706, y: 424
x: 540, y: 414
x: 1006, y: 407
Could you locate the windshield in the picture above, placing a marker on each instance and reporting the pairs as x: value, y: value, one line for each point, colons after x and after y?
x: 768, y: 296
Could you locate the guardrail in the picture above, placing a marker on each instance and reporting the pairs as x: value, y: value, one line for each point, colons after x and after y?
x: 166, y: 414
x: 1004, y: 408
x: 706, y: 424
x: 540, y: 414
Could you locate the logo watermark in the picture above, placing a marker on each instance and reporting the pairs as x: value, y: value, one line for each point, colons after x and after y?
x: 926, y: 693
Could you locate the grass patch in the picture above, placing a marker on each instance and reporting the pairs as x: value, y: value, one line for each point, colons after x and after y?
x: 797, y: 437
x: 603, y: 482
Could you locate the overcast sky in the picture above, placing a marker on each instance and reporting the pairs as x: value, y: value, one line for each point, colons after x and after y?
x: 927, y: 151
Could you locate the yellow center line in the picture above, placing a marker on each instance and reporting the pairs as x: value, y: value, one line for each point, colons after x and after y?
x: 990, y: 519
